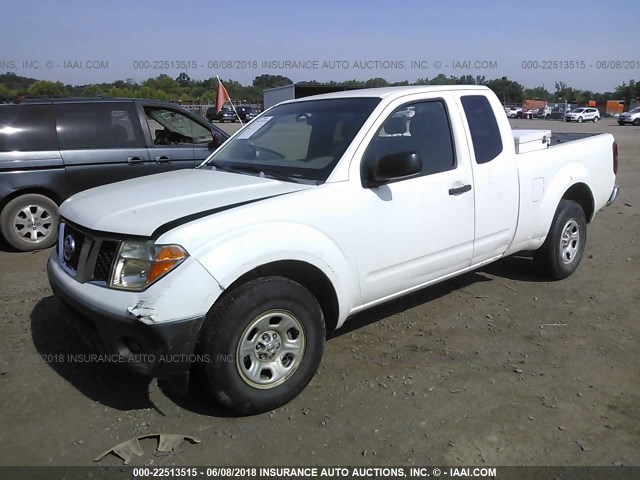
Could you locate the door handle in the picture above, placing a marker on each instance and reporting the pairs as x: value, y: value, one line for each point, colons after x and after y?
x: 135, y: 160
x: 163, y: 159
x: 459, y: 190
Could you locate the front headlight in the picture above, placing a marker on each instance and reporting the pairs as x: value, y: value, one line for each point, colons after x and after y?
x: 139, y: 264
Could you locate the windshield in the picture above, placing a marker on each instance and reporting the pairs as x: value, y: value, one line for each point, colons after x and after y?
x: 579, y: 110
x: 300, y: 141
x: 635, y: 110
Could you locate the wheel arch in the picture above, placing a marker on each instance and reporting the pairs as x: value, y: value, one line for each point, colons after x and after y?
x: 31, y: 190
x: 307, y: 275
x: 581, y: 193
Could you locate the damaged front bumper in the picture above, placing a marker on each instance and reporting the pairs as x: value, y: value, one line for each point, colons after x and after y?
x: 131, y: 329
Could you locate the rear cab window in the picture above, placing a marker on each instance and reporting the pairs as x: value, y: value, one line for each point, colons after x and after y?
x: 483, y: 127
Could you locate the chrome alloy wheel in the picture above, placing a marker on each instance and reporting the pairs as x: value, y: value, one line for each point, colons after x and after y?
x: 33, y: 223
x: 270, y: 349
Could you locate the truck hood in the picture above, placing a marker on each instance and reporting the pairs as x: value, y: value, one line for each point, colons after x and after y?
x: 142, y: 206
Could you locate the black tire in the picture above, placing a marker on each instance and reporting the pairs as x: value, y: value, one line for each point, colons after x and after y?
x: 595, y: 119
x: 221, y: 121
x: 636, y: 122
x: 559, y: 257
x: 580, y: 120
x: 266, y: 302
x: 621, y: 124
x: 17, y: 225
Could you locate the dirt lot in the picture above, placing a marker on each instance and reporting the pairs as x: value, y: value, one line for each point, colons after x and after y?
x: 473, y: 371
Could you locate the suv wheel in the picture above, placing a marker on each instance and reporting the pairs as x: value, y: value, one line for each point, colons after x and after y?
x: 30, y: 222
x: 264, y: 342
x: 561, y: 252
x: 595, y: 119
x: 580, y: 120
x: 636, y: 122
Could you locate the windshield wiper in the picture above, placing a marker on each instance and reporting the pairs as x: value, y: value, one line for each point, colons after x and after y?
x: 255, y: 169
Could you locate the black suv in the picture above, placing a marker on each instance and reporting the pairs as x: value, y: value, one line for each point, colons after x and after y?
x: 246, y: 113
x: 51, y: 149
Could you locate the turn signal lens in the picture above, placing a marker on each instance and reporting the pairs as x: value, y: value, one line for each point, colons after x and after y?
x: 166, y: 259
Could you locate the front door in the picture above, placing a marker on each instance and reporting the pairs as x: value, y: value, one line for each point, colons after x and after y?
x: 419, y: 229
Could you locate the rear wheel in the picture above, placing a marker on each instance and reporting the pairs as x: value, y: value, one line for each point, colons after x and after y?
x: 264, y: 343
x: 562, y: 251
x: 30, y: 222
x: 621, y: 123
x: 595, y: 119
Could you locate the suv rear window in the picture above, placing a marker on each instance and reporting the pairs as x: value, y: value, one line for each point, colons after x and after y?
x: 485, y: 134
x: 98, y: 125
x: 27, y: 128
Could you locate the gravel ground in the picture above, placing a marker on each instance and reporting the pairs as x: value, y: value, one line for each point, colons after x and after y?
x: 497, y: 367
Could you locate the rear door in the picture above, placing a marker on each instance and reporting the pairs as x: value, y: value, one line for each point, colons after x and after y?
x: 100, y: 142
x: 495, y: 175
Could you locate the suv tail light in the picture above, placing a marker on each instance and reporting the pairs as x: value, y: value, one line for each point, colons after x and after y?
x: 615, y: 158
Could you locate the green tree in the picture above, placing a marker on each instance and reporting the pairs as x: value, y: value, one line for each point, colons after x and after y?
x: 43, y: 88
x: 92, y: 91
x: 376, y: 82
x: 270, y: 81
x: 183, y: 80
x: 7, y: 93
x: 508, y: 91
x: 537, y: 93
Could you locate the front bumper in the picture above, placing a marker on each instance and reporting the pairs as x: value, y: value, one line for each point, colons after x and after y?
x: 163, y: 349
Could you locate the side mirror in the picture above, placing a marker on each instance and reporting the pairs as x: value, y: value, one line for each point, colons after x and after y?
x: 390, y: 168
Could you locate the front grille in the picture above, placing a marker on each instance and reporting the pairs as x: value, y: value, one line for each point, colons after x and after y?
x: 104, y: 260
x: 72, y: 242
x: 88, y: 256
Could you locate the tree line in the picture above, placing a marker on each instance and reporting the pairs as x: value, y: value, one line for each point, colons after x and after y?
x: 184, y: 89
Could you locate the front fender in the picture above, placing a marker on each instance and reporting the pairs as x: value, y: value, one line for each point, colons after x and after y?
x: 236, y: 253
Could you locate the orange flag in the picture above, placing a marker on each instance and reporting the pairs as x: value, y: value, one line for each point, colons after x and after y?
x: 222, y: 96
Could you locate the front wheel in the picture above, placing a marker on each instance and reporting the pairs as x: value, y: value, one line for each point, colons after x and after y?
x: 262, y: 344
x: 560, y: 254
x: 30, y: 222
x: 621, y: 123
x: 636, y: 122
x: 580, y: 120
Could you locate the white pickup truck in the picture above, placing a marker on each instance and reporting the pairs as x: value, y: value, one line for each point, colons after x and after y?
x: 318, y: 209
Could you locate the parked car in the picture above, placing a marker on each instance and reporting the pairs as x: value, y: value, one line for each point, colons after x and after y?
x: 246, y: 113
x: 245, y: 262
x: 211, y: 114
x: 544, y: 112
x: 528, y: 114
x: 52, y: 149
x: 227, y: 115
x: 632, y: 117
x: 513, y: 112
x: 582, y: 114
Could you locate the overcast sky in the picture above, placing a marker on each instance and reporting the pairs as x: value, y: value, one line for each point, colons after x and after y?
x: 139, y: 39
